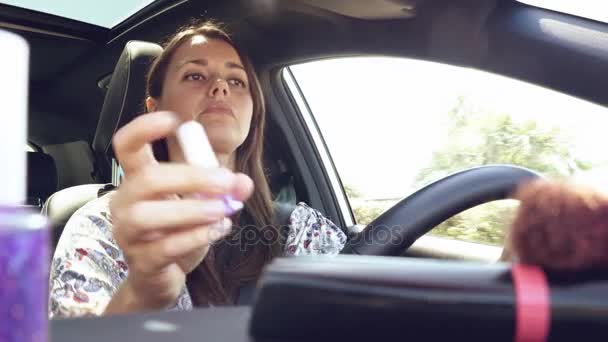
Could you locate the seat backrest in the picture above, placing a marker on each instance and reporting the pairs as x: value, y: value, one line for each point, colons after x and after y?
x: 124, y: 100
x: 62, y: 205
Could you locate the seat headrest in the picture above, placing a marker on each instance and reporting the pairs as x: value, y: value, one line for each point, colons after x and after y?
x: 41, y: 175
x: 124, y: 100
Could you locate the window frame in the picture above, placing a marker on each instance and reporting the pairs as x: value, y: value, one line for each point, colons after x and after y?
x: 323, y: 180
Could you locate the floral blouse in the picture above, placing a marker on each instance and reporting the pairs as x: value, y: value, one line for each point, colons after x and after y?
x: 88, y: 266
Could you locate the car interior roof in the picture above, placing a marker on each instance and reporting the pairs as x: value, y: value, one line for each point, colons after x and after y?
x: 70, y: 58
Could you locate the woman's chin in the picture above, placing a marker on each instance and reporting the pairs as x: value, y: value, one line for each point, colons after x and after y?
x: 224, y: 135
x: 224, y: 142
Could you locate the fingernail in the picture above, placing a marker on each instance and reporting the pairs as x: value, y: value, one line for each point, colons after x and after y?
x: 231, y: 205
x: 226, y: 205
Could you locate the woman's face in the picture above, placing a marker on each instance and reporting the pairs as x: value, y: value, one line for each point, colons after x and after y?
x: 206, y: 81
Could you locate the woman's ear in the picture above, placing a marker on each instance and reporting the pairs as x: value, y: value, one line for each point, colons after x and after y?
x: 151, y: 104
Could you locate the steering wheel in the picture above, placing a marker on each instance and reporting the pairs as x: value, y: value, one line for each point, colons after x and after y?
x: 398, y: 228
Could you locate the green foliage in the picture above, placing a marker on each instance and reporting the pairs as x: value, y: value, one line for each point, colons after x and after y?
x: 351, y: 192
x: 483, y: 224
x: 364, y: 214
x: 364, y: 211
x: 481, y: 137
x: 475, y: 137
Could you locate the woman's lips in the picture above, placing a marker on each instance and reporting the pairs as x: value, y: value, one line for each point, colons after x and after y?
x: 219, y: 108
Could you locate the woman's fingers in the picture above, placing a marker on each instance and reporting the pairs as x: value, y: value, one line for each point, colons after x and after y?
x: 167, y: 216
x: 173, y: 178
x: 149, y: 257
x: 132, y: 143
x: 242, y: 188
x: 143, y: 208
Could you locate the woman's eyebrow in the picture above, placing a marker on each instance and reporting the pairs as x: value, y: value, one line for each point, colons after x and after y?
x: 204, y: 62
x: 199, y: 61
x: 233, y: 65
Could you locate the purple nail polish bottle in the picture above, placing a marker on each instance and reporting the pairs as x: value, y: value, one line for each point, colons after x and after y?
x: 23, y: 276
x: 24, y: 256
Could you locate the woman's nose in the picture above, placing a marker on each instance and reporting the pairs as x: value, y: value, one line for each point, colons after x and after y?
x: 219, y: 88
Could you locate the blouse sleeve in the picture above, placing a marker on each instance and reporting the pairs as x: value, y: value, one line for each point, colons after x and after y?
x: 311, y: 233
x: 87, y: 266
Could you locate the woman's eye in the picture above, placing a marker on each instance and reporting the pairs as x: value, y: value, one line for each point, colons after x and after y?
x: 195, y: 77
x: 236, y: 82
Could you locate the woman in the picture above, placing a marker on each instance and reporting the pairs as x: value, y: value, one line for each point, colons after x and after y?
x: 144, y: 246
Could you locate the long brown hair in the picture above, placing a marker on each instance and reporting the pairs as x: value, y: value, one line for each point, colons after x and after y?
x: 228, y: 266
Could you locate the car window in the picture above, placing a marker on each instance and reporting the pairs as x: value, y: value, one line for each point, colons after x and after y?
x: 590, y: 9
x: 392, y: 125
x: 104, y: 14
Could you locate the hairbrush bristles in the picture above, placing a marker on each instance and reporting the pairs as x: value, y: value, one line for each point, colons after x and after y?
x: 560, y: 227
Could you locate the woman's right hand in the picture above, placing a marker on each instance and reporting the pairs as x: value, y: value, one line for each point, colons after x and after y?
x: 162, y: 237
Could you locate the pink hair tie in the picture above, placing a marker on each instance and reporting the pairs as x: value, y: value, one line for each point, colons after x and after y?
x: 532, y: 304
